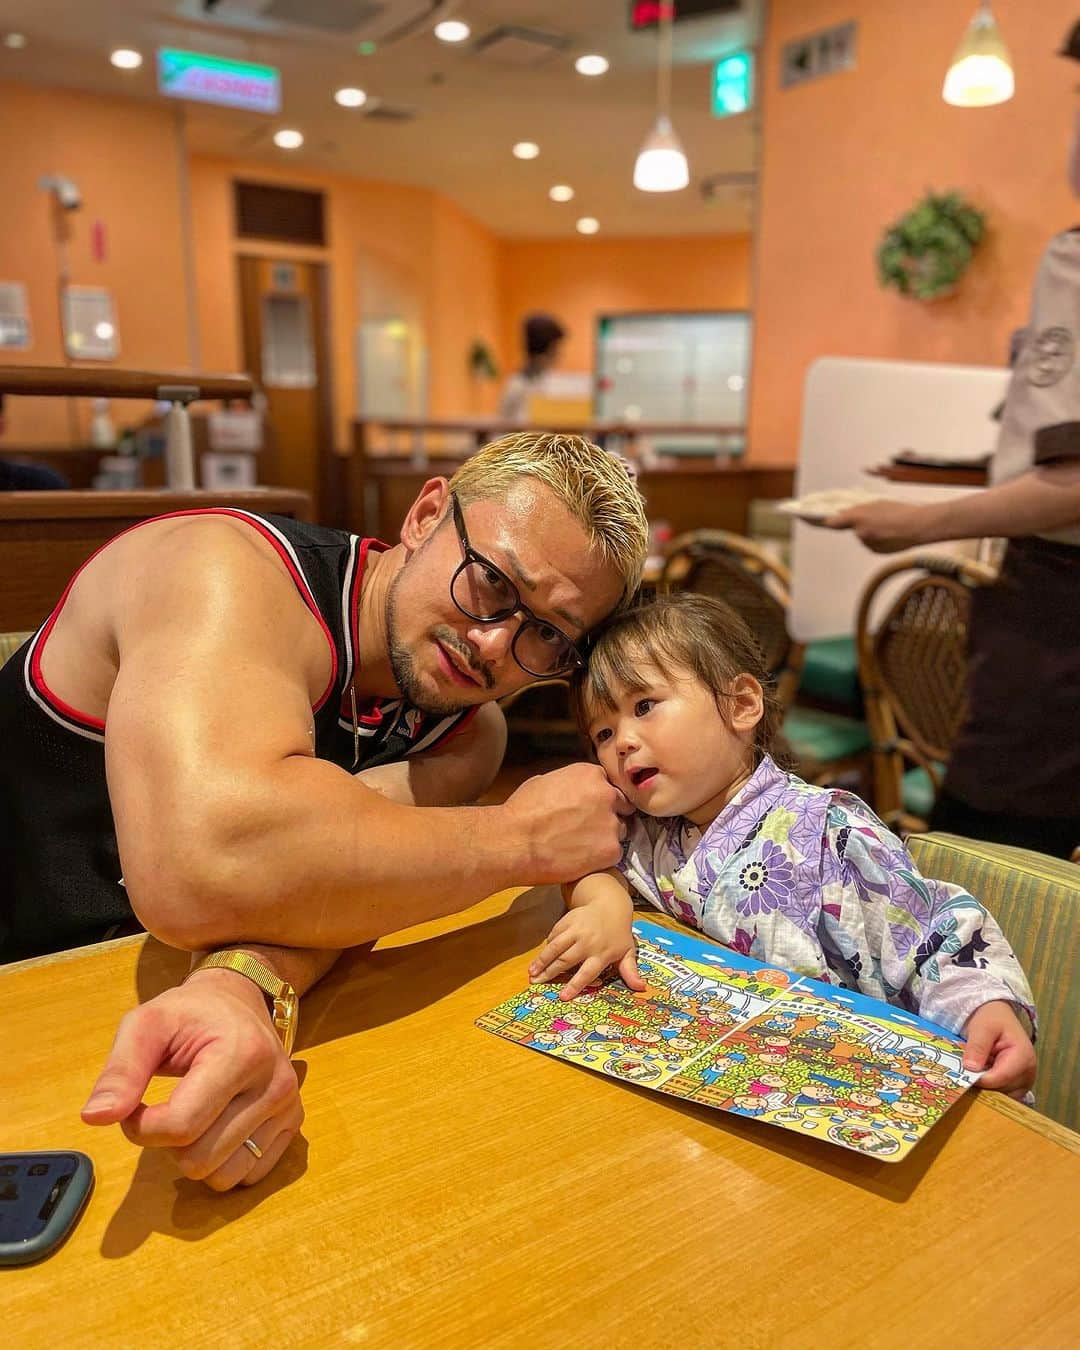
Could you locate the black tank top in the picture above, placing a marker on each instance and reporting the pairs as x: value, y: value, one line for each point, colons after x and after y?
x: 60, y: 875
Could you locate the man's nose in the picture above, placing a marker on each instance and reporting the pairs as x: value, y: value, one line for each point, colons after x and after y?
x: 492, y: 641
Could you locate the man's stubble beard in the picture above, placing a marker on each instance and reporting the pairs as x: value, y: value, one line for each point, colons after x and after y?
x: 403, y: 667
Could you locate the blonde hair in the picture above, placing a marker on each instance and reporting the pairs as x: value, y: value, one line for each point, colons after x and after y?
x: 593, y: 486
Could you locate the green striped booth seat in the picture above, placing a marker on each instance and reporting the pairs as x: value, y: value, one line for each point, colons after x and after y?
x: 1036, y: 900
x: 10, y: 644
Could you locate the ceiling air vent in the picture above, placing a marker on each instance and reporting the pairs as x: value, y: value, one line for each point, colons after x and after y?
x: 289, y: 215
x: 379, y: 21
x: 520, y: 48
x: 331, y: 16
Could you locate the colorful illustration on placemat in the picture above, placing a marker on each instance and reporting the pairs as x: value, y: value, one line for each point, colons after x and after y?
x: 714, y: 1027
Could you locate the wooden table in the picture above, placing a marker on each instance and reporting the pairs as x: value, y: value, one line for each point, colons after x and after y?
x: 456, y: 1190
x: 46, y: 536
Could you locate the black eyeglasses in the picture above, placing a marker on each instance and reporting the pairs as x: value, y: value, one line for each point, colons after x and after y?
x: 485, y: 593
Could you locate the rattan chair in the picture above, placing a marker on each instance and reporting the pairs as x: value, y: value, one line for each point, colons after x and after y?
x: 825, y: 745
x: 913, y: 664
x: 754, y: 583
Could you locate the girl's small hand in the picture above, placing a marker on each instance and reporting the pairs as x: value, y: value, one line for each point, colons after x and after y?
x: 997, y: 1042
x: 591, y: 937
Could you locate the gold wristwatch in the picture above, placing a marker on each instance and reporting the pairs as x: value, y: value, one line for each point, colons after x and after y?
x: 284, y: 1001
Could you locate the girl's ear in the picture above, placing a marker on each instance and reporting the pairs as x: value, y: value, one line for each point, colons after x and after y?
x: 746, y: 703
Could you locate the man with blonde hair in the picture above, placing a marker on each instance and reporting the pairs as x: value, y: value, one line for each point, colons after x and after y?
x: 257, y: 737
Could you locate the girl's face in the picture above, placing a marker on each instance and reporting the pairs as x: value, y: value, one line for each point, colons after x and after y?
x: 671, y: 750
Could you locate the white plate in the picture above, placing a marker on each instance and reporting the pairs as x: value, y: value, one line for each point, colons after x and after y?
x: 818, y: 506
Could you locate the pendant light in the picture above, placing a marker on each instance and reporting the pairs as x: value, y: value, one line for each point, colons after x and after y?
x: 981, y: 73
x: 661, y: 163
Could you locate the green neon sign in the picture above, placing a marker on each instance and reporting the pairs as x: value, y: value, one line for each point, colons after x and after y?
x: 733, y: 84
x: 213, y: 79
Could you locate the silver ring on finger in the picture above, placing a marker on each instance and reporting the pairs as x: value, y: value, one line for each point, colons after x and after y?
x: 253, y: 1147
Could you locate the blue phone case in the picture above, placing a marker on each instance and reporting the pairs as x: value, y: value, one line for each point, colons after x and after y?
x: 64, y: 1216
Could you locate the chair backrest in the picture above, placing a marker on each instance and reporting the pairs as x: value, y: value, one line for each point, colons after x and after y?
x: 1036, y: 901
x: 755, y: 584
x: 10, y: 644
x: 913, y: 666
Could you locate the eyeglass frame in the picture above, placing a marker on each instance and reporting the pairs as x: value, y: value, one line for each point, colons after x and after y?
x: 470, y: 556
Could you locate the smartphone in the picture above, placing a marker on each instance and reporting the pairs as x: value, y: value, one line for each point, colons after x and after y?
x: 41, y: 1198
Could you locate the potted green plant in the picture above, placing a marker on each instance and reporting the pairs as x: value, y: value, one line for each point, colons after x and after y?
x: 926, y: 252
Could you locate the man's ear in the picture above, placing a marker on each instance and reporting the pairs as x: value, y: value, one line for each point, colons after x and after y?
x: 746, y: 703
x: 426, y: 514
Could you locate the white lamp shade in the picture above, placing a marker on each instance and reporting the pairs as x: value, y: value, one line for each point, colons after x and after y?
x: 981, y: 72
x: 661, y: 164
x: 978, y: 82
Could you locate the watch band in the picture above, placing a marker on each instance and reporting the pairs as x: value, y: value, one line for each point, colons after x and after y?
x: 245, y: 964
x: 283, y: 999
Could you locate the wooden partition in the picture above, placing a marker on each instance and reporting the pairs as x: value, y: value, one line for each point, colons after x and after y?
x: 688, y: 492
x: 45, y: 536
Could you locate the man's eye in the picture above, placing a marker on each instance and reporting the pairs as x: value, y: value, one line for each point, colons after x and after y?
x: 494, y: 579
x: 642, y: 706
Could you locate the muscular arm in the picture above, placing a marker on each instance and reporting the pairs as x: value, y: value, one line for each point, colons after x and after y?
x: 230, y: 831
x: 456, y: 773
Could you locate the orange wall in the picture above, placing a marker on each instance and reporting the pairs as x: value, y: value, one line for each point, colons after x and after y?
x: 127, y: 167
x: 126, y: 170
x: 844, y: 156
x: 579, y: 279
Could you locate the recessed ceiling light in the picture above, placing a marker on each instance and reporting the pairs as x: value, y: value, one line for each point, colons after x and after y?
x: 104, y: 330
x: 561, y: 192
x: 350, y: 98
x: 526, y: 150
x: 588, y: 225
x: 126, y: 59
x: 16, y: 41
x: 452, y: 30
x: 592, y: 65
x: 288, y: 140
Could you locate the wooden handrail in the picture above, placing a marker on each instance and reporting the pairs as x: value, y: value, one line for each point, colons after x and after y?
x: 586, y: 426
x: 79, y: 381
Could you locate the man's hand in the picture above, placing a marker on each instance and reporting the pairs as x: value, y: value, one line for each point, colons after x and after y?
x: 569, y: 821
x: 884, y: 526
x: 214, y: 1033
x: 997, y: 1042
x: 591, y: 937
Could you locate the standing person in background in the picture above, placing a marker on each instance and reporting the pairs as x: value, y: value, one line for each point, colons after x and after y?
x: 1014, y: 775
x: 543, y: 336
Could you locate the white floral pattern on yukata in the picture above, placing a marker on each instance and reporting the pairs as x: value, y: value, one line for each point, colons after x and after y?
x: 809, y: 879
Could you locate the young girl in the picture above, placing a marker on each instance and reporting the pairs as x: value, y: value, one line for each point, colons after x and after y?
x: 677, y: 707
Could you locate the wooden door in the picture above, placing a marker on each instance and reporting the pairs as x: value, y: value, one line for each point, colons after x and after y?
x: 286, y: 349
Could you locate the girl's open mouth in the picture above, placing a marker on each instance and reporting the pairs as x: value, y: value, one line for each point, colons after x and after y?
x: 640, y: 776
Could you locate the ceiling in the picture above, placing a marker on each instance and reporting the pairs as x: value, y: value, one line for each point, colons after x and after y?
x: 469, y: 104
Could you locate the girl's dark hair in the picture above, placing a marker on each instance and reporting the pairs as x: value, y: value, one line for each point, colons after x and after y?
x: 683, y: 632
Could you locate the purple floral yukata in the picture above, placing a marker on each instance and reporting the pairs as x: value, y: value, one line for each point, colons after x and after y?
x: 809, y: 879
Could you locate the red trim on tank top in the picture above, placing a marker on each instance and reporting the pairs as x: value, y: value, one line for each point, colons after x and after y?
x: 97, y: 723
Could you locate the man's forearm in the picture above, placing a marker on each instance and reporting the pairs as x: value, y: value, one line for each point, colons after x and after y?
x: 310, y: 858
x: 302, y: 967
x: 1046, y: 498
